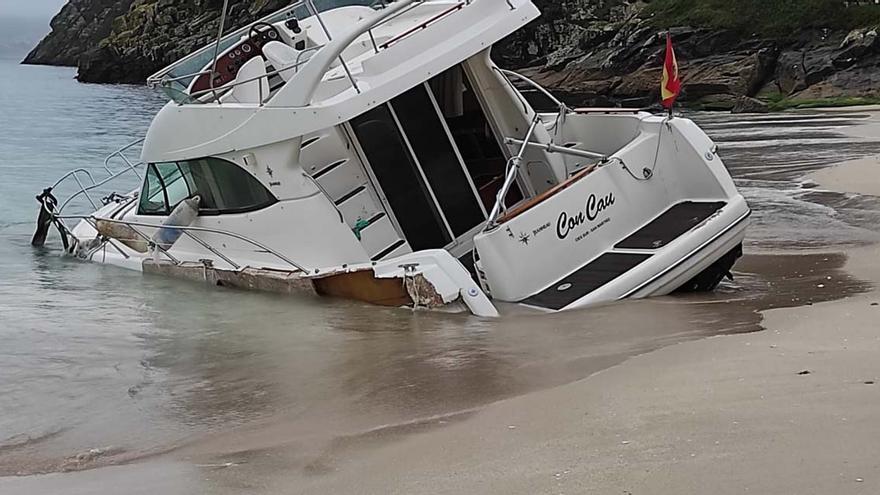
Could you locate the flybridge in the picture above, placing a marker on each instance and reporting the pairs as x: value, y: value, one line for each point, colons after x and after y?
x: 251, y: 64
x: 179, y: 75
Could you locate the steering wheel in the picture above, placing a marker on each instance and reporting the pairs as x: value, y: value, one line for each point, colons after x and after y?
x: 259, y: 36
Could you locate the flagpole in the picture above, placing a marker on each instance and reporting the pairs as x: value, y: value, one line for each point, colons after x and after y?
x: 670, y: 85
x: 669, y: 111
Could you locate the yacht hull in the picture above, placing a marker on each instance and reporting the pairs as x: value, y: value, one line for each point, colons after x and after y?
x: 377, y: 164
x: 608, y: 234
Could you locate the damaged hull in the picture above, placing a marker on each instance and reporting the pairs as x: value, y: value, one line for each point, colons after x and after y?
x: 395, y: 163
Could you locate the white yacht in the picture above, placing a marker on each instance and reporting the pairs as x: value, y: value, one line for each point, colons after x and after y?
x: 377, y: 153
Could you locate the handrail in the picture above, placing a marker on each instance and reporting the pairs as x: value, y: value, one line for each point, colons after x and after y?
x: 310, y: 4
x: 286, y: 68
x: 337, y: 46
x: 530, y: 82
x: 121, y: 154
x: 82, y: 189
x: 562, y: 150
x: 421, y: 26
x: 156, y: 78
x: 311, y: 75
x: 188, y: 231
x: 112, y: 175
x: 513, y: 165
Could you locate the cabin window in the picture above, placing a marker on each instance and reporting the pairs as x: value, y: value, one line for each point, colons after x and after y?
x: 482, y: 155
x: 224, y: 187
x: 438, y: 160
x: 400, y: 178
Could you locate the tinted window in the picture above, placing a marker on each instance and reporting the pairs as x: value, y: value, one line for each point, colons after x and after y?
x: 224, y: 187
x: 152, y: 200
x: 400, y: 180
x: 424, y: 129
x: 476, y: 142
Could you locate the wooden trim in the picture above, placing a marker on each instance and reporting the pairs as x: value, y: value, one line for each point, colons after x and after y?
x: 421, y: 26
x: 607, y: 110
x: 528, y: 204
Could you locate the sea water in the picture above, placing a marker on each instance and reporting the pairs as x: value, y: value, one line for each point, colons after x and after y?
x: 99, y: 364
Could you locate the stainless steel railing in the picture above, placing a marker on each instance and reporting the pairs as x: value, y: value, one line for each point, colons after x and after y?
x: 84, y: 189
x: 161, y: 79
x: 541, y: 89
x: 510, y: 174
x: 79, y: 175
x: 158, y: 78
x: 189, y: 232
x: 215, y: 91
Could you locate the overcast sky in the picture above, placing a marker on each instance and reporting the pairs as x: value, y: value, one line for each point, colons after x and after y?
x: 31, y: 9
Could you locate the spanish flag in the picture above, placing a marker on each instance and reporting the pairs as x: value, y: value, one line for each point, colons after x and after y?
x: 670, y: 86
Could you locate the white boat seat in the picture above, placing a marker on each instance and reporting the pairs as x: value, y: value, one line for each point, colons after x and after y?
x: 282, y: 56
x: 249, y: 92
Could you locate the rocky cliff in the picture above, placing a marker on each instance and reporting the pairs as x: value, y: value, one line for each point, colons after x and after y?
x: 127, y: 40
x: 596, y: 52
x: 80, y: 26
x: 610, y: 52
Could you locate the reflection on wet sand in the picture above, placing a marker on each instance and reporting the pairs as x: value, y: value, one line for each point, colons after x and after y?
x: 378, y: 381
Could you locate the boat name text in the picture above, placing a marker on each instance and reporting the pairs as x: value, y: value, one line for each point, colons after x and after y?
x: 595, y: 205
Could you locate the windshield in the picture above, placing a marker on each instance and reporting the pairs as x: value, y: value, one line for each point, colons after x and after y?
x: 176, y: 79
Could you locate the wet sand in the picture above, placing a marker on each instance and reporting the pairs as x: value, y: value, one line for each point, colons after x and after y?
x: 792, y: 409
x: 653, y: 407
x: 857, y: 176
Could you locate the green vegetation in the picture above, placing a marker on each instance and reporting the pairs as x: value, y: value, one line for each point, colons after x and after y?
x: 778, y: 102
x: 774, y: 18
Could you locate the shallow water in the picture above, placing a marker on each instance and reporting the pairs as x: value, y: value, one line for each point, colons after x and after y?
x: 96, y: 357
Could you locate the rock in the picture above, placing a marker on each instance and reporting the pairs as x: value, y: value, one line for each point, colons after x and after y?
x: 599, y: 53
x: 856, y: 44
x: 126, y: 41
x: 80, y: 25
x: 797, y: 70
x: 85, y: 458
x: 749, y: 105
x: 716, y: 68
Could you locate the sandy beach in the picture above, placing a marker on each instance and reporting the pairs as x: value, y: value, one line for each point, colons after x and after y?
x: 789, y: 409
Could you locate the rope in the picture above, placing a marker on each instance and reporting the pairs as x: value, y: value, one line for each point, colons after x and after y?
x: 647, y: 173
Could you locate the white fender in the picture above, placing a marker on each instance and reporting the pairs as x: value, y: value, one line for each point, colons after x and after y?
x: 183, y: 215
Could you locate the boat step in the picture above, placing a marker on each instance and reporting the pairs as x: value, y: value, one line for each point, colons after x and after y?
x: 671, y: 224
x: 588, y: 278
x: 317, y: 175
x: 312, y: 140
x: 350, y: 195
x: 390, y: 249
x: 378, y: 234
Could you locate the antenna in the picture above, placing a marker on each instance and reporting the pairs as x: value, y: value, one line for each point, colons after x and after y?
x: 217, y: 45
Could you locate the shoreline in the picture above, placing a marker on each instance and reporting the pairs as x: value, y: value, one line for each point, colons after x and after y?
x: 787, y: 409
x: 860, y: 176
